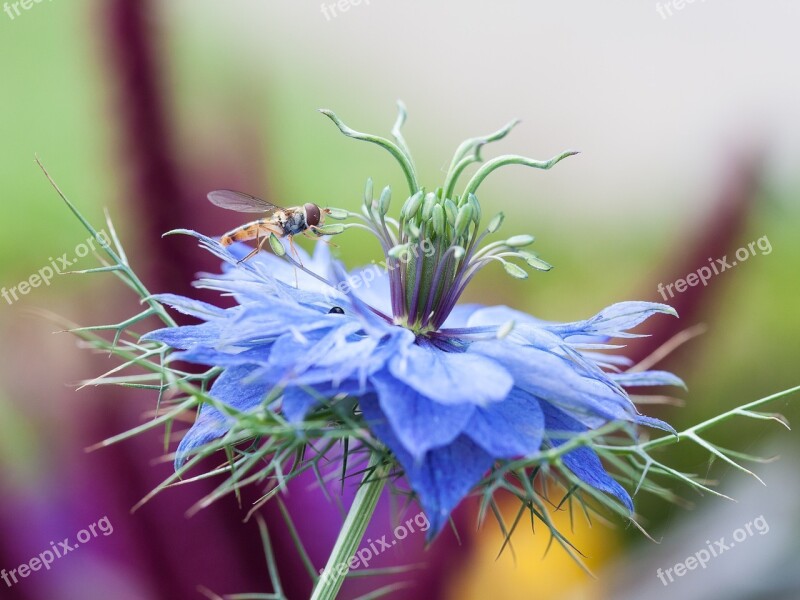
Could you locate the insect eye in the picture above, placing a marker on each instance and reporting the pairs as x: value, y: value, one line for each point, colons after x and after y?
x: 336, y: 310
x: 313, y: 214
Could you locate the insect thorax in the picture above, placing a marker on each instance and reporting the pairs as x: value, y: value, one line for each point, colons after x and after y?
x: 294, y: 223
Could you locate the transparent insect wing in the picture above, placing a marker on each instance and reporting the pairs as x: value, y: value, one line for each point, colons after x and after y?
x: 241, y: 202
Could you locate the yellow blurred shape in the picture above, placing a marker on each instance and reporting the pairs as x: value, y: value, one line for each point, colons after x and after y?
x: 535, y: 576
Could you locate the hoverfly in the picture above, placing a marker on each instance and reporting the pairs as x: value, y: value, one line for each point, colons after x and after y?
x: 283, y: 222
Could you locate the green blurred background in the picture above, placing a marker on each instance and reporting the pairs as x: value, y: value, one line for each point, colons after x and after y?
x: 689, y: 134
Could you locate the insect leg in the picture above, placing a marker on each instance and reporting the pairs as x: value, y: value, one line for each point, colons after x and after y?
x: 252, y: 253
x: 297, y: 256
x: 259, y: 245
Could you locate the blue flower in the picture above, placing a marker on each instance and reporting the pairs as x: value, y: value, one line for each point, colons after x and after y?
x: 449, y: 389
x: 448, y: 404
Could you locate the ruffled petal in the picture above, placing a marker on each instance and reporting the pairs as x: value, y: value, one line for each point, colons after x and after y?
x: 202, y: 355
x: 442, y: 477
x: 210, y: 425
x: 371, y: 286
x: 510, y: 428
x: 188, y: 336
x: 499, y: 315
x: 461, y: 315
x: 326, y: 350
x: 418, y: 422
x: 583, y: 462
x: 234, y: 388
x: 556, y: 380
x: 191, y: 307
x: 451, y: 377
x: 335, y: 354
x: 614, y: 321
x: 647, y: 378
x: 297, y: 401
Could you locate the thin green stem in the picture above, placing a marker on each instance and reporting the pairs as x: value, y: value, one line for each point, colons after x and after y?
x: 352, y: 531
x: 470, y: 152
x: 743, y: 410
x: 510, y: 159
x: 396, y: 151
x: 120, y: 259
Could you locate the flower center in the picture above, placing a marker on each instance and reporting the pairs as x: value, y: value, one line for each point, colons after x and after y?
x: 433, y: 250
x: 436, y: 252
x: 432, y: 258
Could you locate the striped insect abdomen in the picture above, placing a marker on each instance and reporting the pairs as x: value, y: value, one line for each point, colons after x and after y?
x: 248, y: 231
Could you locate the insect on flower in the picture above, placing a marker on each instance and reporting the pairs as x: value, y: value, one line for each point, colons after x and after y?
x: 282, y: 222
x: 450, y: 390
x: 454, y: 398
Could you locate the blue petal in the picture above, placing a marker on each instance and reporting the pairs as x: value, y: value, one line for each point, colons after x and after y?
x: 590, y: 399
x: 187, y: 336
x: 510, y: 428
x: 583, y: 462
x: 444, y: 475
x: 656, y: 423
x: 613, y: 321
x: 530, y: 331
x: 265, y: 262
x: 237, y: 388
x: 267, y: 322
x: 373, y: 323
x: 202, y: 355
x: 299, y: 400
x: 296, y: 403
x: 209, y: 425
x: 419, y: 423
x: 326, y: 350
x: 451, y: 377
x: 335, y: 354
x: 233, y: 388
x: 610, y: 360
x: 498, y: 315
x: 461, y: 315
x: 647, y: 378
x: 188, y: 306
x: 371, y: 286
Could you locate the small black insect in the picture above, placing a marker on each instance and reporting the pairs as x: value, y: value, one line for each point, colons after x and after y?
x: 336, y: 310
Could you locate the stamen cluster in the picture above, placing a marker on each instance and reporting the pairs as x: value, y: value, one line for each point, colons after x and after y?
x: 434, y: 249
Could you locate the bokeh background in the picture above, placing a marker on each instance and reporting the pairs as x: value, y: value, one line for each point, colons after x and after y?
x: 687, y: 117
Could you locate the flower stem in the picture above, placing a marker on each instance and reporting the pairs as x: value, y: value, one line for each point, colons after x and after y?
x: 352, y: 531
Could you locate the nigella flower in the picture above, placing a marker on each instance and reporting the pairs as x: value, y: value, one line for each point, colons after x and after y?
x: 450, y: 389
